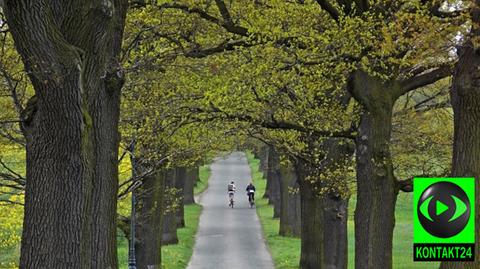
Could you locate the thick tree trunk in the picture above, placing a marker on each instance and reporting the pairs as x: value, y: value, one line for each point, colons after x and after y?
x: 312, y: 251
x: 169, y: 236
x: 263, y: 157
x: 58, y: 131
x: 324, y: 208
x: 169, y: 224
x: 59, y: 172
x: 71, y: 130
x: 180, y: 179
x: 104, y: 104
x: 324, y: 230
x: 273, y: 181
x: 465, y: 99
x: 264, y: 162
x: 290, y: 215
x: 335, y: 233
x: 105, y: 114
x: 149, y: 221
x: 376, y: 188
x: 188, y: 190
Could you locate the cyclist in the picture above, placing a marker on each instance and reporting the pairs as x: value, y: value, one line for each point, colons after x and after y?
x: 251, y: 193
x: 231, y: 191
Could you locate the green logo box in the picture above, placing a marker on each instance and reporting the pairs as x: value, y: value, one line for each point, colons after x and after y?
x: 444, y: 219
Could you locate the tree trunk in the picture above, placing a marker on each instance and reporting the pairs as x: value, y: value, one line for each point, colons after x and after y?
x: 71, y: 130
x: 263, y: 157
x: 290, y: 215
x: 264, y: 162
x: 312, y: 252
x: 465, y: 99
x: 180, y: 179
x: 324, y: 230
x: 59, y: 172
x: 104, y: 104
x: 335, y: 217
x: 376, y: 188
x: 169, y: 224
x: 273, y: 181
x: 188, y: 190
x: 149, y: 221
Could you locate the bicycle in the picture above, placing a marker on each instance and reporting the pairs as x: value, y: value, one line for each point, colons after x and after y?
x: 230, y: 195
x: 251, y: 198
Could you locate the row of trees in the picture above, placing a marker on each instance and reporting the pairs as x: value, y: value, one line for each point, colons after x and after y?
x: 71, y: 187
x: 323, y: 83
x: 319, y: 83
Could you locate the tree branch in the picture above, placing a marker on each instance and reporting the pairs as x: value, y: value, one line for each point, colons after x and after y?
x: 17, y: 178
x: 225, y: 46
x: 406, y: 185
x: 330, y: 9
x: 276, y: 124
x: 424, y: 79
x: 229, y: 26
x: 224, y: 11
x: 137, y: 181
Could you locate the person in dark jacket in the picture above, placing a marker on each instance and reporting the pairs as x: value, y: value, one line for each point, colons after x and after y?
x: 251, y: 192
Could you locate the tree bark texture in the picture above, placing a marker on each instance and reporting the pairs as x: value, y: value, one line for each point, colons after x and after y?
x: 323, y: 227
x: 376, y: 188
x: 465, y: 99
x: 290, y: 215
x: 180, y: 179
x: 149, y: 221
x: 68, y: 49
x: 273, y: 181
x: 169, y: 224
x: 264, y: 156
x: 190, y: 179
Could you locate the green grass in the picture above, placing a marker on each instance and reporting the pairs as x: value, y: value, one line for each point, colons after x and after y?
x: 9, y: 257
x: 122, y: 250
x: 202, y: 183
x: 176, y: 256
x: 10, y: 216
x: 286, y: 251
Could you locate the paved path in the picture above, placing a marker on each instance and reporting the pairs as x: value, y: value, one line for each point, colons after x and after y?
x: 229, y: 238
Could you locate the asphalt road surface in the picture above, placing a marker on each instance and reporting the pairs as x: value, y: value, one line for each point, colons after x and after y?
x: 229, y: 238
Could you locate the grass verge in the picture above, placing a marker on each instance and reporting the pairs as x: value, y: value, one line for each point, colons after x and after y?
x: 202, y: 183
x: 285, y: 250
x: 177, y: 256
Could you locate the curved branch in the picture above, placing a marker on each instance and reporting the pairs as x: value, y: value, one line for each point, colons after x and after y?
x: 330, y: 9
x: 229, y: 26
x: 424, y: 79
